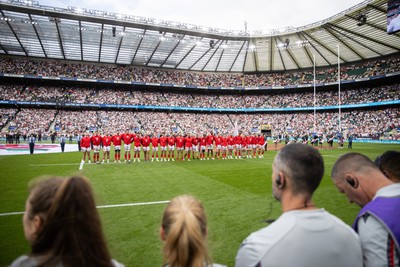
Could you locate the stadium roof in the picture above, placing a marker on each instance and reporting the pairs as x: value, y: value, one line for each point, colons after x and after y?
x: 27, y: 29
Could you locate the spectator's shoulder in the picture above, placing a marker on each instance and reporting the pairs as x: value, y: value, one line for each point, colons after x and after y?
x: 116, y: 263
x: 24, y: 261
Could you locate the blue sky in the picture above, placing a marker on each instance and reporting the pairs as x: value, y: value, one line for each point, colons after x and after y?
x: 223, y: 14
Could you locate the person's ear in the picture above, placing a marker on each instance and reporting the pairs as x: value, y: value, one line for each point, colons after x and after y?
x: 280, y: 180
x: 37, y: 224
x: 386, y: 173
x: 352, y: 181
x: 162, y: 233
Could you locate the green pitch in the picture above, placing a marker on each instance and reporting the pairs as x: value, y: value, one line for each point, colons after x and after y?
x: 235, y: 193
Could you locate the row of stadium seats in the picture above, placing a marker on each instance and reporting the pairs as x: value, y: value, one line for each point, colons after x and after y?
x: 174, y: 99
x: 178, y: 77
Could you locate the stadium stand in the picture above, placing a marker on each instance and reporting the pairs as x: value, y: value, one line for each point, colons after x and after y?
x: 51, y: 68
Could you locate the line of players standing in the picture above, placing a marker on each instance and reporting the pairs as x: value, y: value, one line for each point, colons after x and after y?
x: 172, y: 147
x: 317, y: 140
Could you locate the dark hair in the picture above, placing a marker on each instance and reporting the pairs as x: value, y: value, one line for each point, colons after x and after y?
x: 304, y: 166
x: 185, y: 226
x: 353, y: 161
x: 390, y: 162
x: 71, y: 231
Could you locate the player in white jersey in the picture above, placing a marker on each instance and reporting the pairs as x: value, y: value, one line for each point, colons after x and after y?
x: 303, y: 235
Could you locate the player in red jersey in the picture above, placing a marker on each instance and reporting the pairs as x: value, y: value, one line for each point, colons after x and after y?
x: 188, y: 146
x: 146, y: 140
x: 171, y: 147
x: 231, y: 146
x: 163, y: 146
x: 203, y: 146
x: 238, y: 146
x: 254, y: 144
x: 195, y: 147
x: 137, y: 141
x: 154, y: 144
x: 117, y: 140
x: 224, y: 146
x: 218, y: 146
x: 261, y: 145
x: 244, y: 146
x: 96, y: 141
x: 127, y: 137
x: 106, y: 147
x: 180, y: 142
x: 249, y: 142
x: 210, y: 146
x: 85, y: 147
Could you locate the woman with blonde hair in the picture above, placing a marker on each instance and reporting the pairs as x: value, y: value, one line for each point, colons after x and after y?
x: 184, y: 232
x: 63, y: 227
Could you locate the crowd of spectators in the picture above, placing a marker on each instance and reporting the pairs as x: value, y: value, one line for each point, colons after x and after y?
x: 361, y: 123
x: 180, y: 77
x: 197, y: 100
x: 29, y: 121
x: 6, y: 115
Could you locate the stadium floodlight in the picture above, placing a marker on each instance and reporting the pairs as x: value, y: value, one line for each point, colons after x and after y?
x: 362, y: 19
x: 212, y: 44
x: 287, y: 42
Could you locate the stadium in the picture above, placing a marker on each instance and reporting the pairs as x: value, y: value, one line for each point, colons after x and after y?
x: 71, y: 71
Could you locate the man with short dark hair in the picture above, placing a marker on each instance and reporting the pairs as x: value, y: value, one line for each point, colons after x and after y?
x: 303, y: 235
x: 378, y: 222
x: 389, y: 164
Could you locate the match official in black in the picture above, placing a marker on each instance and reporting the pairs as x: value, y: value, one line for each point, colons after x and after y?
x: 31, y: 141
x: 62, y: 142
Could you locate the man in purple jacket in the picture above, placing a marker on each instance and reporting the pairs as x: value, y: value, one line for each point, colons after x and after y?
x: 378, y: 223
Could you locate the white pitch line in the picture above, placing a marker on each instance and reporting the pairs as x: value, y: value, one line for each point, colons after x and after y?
x: 102, y: 207
x: 81, y: 165
x: 133, y: 204
x: 12, y: 213
x: 55, y: 164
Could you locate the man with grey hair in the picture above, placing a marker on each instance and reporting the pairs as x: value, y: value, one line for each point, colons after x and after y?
x: 303, y: 235
x: 377, y: 223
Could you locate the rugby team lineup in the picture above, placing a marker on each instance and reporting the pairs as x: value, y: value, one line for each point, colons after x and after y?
x: 181, y: 147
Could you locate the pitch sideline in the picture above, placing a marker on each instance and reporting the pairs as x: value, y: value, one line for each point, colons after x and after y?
x: 103, y: 206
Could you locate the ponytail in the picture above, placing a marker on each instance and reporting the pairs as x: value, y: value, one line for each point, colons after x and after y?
x: 185, y: 227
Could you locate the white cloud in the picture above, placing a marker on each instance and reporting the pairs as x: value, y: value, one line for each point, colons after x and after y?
x: 224, y: 14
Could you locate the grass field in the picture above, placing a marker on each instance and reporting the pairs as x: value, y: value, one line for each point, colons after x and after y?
x: 235, y: 193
